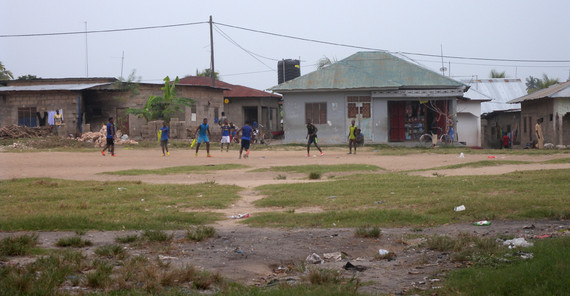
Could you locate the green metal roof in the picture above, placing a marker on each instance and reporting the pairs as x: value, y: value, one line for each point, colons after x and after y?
x: 369, y: 70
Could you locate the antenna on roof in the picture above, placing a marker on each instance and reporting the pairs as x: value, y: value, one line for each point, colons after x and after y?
x: 443, y: 68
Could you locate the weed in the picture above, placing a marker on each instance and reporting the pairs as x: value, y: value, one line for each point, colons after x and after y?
x: 113, y: 251
x: 18, y: 245
x: 324, y: 276
x: 200, y: 233
x: 127, y: 239
x: 73, y: 241
x: 101, y: 276
x: 388, y: 256
x: 374, y: 232
x: 157, y: 236
x: 314, y: 175
x: 80, y: 232
x: 280, y: 177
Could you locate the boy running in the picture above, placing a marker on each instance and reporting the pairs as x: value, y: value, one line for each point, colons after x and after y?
x: 246, y: 131
x: 203, y: 131
x: 312, y: 135
x: 164, y: 138
x: 110, y: 138
x: 225, y: 136
x: 352, y: 137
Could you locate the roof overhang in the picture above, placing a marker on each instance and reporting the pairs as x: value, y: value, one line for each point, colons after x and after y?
x: 50, y: 87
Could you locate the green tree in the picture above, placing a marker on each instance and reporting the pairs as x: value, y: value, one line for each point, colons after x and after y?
x: 5, y: 74
x: 497, y: 74
x: 208, y: 73
x: 165, y: 106
x: 28, y: 77
x: 533, y: 84
x: 130, y: 84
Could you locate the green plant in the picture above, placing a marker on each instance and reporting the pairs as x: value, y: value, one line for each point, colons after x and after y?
x: 101, y: 276
x: 127, y: 239
x: 200, y: 233
x: 373, y: 232
x: 114, y: 251
x: 314, y: 176
x: 280, y: 177
x: 73, y: 241
x: 18, y: 245
x: 157, y: 236
x: 324, y: 276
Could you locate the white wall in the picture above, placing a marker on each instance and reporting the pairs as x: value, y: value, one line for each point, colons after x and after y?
x: 469, y: 122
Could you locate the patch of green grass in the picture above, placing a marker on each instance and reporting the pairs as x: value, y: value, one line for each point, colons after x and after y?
x: 321, y: 169
x: 449, y: 149
x: 18, y: 245
x: 157, y: 236
x: 200, y: 233
x: 557, y: 161
x: 127, y: 239
x: 314, y: 176
x: 189, y: 169
x: 73, y: 241
x: 479, y: 164
x: 418, y: 201
x: 112, y: 251
x: 51, y: 204
x: 368, y: 232
x: 547, y: 273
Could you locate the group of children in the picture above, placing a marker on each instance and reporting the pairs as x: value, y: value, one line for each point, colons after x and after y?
x: 229, y: 134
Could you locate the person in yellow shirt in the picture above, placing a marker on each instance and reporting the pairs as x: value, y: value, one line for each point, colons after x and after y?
x: 58, y: 120
x: 539, y: 136
x: 352, y: 137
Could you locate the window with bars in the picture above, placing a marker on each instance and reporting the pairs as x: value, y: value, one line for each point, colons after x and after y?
x: 354, y: 103
x: 27, y: 116
x: 316, y: 112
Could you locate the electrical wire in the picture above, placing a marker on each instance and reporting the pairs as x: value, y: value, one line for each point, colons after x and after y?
x: 253, y: 55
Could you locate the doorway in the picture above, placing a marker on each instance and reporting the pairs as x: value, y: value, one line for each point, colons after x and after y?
x: 250, y: 114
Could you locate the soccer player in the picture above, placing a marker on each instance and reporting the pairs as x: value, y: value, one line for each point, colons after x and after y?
x: 312, y: 135
x: 225, y: 136
x: 164, y: 138
x: 352, y: 137
x: 110, y: 138
x: 203, y: 131
x: 246, y: 133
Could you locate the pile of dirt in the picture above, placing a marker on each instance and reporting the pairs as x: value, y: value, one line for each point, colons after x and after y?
x: 16, y: 132
x: 99, y: 138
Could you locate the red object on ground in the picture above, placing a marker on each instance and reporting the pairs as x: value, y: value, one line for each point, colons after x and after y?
x: 543, y: 236
x: 491, y: 156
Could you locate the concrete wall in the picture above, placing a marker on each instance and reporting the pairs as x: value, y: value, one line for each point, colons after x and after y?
x: 533, y: 110
x: 497, y: 123
x: 381, y: 124
x: 334, y: 132
x: 469, y: 122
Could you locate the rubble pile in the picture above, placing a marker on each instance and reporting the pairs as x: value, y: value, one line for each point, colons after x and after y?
x: 15, y: 132
x: 99, y: 138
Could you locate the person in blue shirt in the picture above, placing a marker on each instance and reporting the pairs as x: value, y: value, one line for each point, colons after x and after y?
x: 164, y: 138
x: 110, y: 138
x: 225, y: 136
x: 203, y: 131
x: 246, y: 133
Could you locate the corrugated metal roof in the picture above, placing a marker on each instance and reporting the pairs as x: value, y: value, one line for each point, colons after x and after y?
x: 561, y: 90
x: 232, y: 90
x: 50, y: 87
x: 369, y: 70
x: 499, y: 90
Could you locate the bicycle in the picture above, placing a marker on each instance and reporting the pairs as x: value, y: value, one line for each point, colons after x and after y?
x: 261, y: 136
x: 426, y: 140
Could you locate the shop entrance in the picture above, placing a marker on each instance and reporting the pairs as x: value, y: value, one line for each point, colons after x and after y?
x: 409, y: 120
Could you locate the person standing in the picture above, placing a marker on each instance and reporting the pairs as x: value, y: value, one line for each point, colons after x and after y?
x: 352, y: 137
x: 506, y: 141
x: 225, y: 136
x: 312, y: 135
x: 233, y: 132
x: 58, y: 121
x: 246, y: 133
x: 203, y: 131
x: 110, y: 138
x: 539, y: 136
x: 164, y: 138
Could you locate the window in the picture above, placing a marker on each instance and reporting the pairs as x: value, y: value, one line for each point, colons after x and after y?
x: 27, y: 116
x: 551, y: 117
x: 316, y: 112
x: 358, y: 105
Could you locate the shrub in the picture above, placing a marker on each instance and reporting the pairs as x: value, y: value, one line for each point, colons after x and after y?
x: 374, y: 232
x: 18, y: 245
x: 200, y: 233
x: 314, y: 175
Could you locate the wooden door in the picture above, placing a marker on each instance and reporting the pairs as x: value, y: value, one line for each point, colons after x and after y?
x: 396, y: 112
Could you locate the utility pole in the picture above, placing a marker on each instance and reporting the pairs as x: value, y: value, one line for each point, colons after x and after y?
x: 122, y: 62
x: 86, y: 53
x: 212, y: 53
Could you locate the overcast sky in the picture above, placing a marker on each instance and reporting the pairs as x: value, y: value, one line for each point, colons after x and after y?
x: 514, y: 30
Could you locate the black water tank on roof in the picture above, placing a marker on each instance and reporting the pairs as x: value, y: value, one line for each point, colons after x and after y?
x: 287, y: 70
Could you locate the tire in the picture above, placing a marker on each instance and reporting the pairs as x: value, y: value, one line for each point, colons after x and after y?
x: 443, y: 139
x: 266, y: 138
x: 426, y: 140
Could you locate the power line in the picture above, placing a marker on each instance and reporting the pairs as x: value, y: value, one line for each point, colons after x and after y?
x: 101, y: 31
x: 253, y: 55
x: 403, y: 52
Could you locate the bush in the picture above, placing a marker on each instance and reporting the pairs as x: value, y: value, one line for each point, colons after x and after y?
x: 18, y: 245
x: 374, y: 232
x: 314, y: 176
x: 200, y: 233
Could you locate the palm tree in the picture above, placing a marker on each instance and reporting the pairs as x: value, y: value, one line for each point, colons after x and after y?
x: 546, y: 82
x: 497, y: 74
x: 4, y: 73
x: 533, y: 84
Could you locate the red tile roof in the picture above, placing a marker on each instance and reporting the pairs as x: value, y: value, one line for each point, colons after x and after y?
x: 236, y: 91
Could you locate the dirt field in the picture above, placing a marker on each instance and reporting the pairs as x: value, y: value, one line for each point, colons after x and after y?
x: 252, y: 255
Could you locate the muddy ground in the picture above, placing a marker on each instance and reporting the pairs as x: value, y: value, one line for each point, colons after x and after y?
x: 260, y: 256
